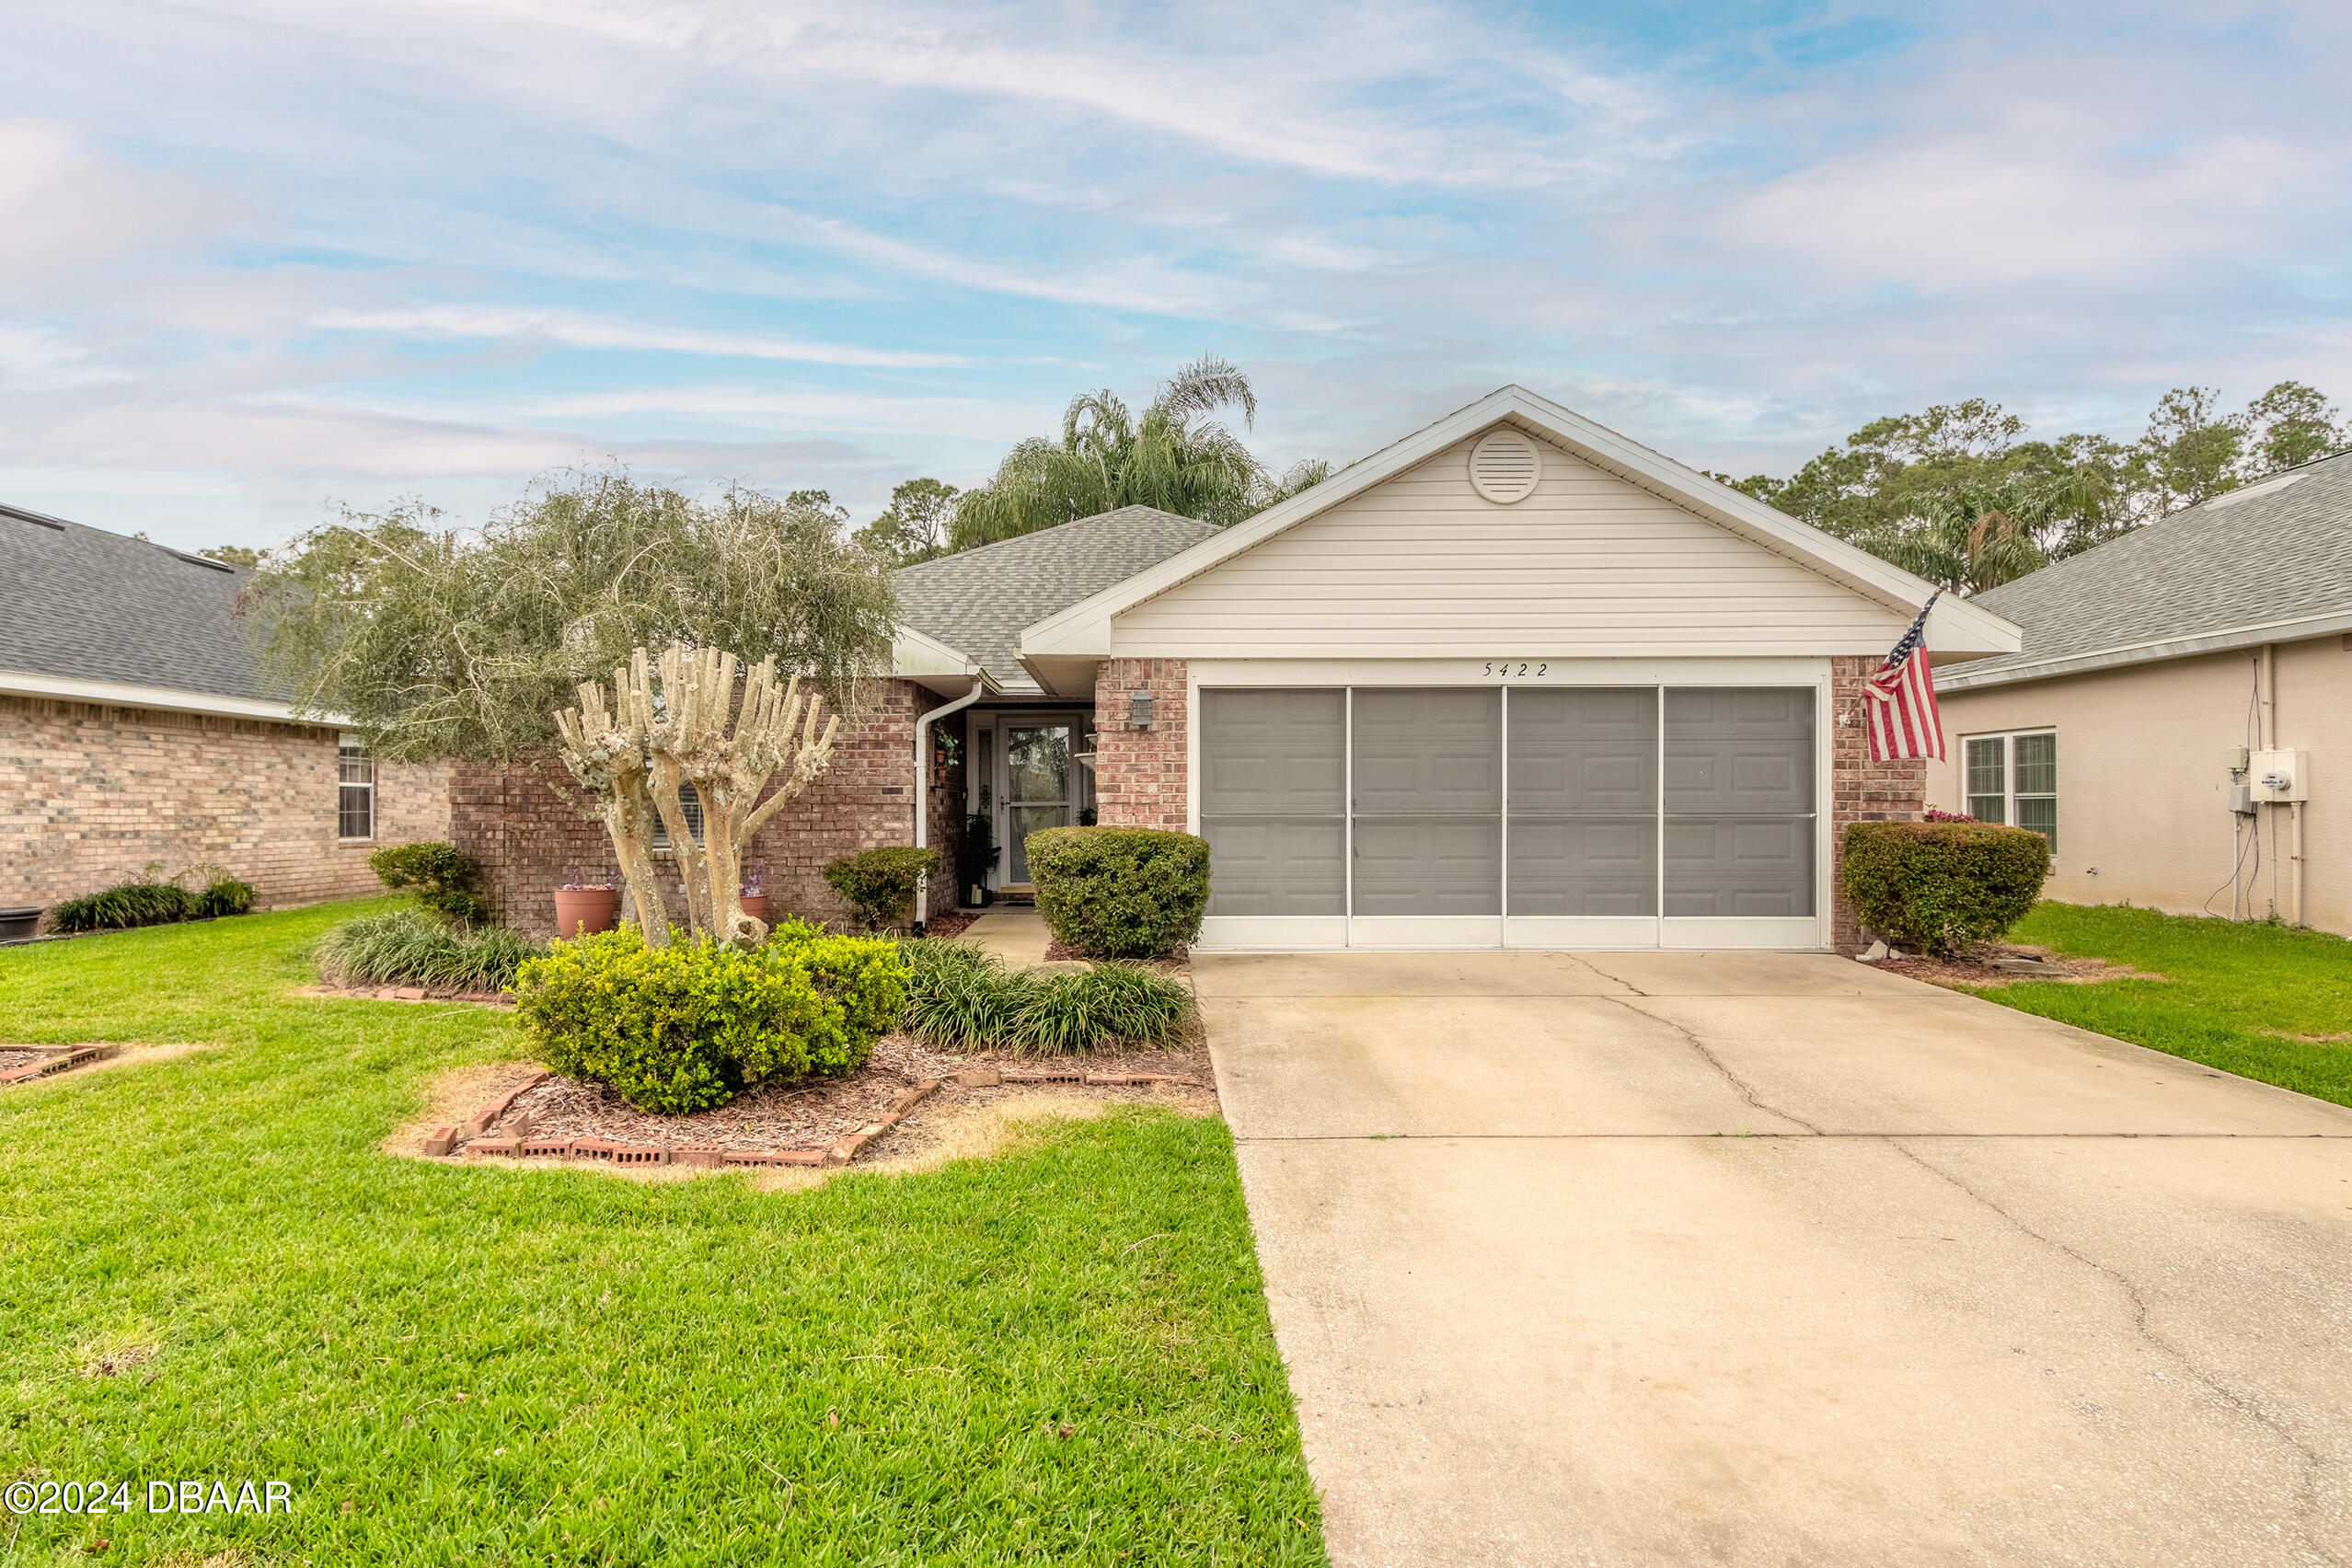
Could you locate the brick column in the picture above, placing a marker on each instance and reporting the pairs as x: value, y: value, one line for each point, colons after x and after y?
x: 1861, y: 790
x: 1140, y: 777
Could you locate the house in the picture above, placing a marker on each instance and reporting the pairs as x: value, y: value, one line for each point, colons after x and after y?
x: 1512, y: 681
x: 136, y: 730
x: 2179, y: 719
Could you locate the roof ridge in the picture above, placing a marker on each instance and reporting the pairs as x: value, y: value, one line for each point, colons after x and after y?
x: 1051, y: 528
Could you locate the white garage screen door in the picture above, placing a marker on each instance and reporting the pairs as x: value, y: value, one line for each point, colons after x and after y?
x: 1583, y: 802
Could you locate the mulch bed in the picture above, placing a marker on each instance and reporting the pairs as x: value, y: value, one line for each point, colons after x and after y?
x: 949, y: 924
x: 407, y: 994
x: 1975, y: 967
x: 813, y: 1115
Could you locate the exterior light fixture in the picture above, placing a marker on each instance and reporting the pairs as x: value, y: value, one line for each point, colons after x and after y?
x: 1139, y: 709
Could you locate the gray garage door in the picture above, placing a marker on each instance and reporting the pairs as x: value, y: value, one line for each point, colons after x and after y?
x: 1564, y: 803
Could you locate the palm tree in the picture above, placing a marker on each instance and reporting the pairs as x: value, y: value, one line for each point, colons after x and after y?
x: 1175, y: 457
x: 1974, y: 536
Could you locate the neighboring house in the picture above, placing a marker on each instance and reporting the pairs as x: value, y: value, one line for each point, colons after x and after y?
x: 1513, y: 680
x: 2156, y: 672
x: 135, y: 731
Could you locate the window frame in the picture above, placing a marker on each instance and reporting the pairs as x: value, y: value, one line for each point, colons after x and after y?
x: 351, y: 750
x: 2009, y: 794
x: 689, y: 801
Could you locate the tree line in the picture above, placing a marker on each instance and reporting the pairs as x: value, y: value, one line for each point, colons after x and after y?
x: 1959, y: 496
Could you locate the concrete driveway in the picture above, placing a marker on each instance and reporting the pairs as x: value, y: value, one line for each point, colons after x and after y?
x: 1773, y: 1259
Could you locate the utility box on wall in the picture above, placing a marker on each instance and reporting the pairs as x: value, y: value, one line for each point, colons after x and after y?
x: 2279, y: 776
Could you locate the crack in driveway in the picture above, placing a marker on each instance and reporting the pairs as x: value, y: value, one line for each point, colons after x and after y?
x: 1746, y: 1090
x: 2313, y: 1464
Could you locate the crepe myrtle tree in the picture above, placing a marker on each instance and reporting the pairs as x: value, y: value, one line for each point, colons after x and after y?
x: 441, y: 643
x: 677, y: 724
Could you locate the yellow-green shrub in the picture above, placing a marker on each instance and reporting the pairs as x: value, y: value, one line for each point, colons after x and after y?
x: 690, y: 1026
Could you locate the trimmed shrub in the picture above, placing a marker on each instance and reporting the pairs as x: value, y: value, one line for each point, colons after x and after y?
x: 1120, y: 892
x: 686, y: 1027
x: 960, y: 998
x: 224, y: 895
x: 879, y: 883
x: 441, y: 875
x: 408, y: 946
x: 1940, y: 886
x: 126, y: 905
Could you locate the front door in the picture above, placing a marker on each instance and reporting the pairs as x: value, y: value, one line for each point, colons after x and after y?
x: 1037, y: 787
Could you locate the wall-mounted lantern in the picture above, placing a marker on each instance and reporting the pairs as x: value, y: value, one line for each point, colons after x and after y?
x: 1139, y: 710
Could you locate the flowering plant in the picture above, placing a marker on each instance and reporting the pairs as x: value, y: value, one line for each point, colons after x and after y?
x: 1937, y: 813
x: 575, y: 881
x: 755, y: 883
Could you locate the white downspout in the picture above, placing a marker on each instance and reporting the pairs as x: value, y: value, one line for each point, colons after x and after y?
x: 923, y: 787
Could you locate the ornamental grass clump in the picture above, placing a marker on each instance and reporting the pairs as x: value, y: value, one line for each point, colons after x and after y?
x: 151, y: 902
x: 1939, y: 887
x: 962, y: 998
x: 408, y: 946
x: 690, y: 1025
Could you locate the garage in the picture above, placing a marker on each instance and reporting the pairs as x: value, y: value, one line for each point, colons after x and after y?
x: 1544, y: 810
x: 1513, y: 681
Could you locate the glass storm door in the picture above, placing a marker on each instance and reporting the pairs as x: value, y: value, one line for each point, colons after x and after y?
x: 1037, y: 786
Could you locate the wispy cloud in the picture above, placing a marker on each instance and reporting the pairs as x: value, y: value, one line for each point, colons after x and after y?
x: 282, y: 252
x: 573, y: 331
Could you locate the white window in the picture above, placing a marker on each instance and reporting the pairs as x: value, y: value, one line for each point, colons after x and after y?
x: 355, y: 789
x: 690, y: 802
x: 2013, y: 779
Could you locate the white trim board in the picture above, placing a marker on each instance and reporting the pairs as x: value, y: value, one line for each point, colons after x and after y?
x: 1956, y: 626
x: 115, y: 694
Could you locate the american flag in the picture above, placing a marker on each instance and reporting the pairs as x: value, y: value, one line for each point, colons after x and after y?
x: 1899, y: 700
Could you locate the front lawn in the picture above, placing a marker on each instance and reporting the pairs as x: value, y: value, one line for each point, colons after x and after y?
x: 208, y: 1272
x: 2236, y: 994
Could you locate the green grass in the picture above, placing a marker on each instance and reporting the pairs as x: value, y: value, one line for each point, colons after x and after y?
x: 2233, y: 996
x: 1060, y: 1355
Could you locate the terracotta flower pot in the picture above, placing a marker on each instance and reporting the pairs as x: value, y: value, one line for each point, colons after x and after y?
x: 581, y: 911
x: 755, y: 906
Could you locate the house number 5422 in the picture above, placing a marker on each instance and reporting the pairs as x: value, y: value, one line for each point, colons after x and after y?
x: 1511, y: 669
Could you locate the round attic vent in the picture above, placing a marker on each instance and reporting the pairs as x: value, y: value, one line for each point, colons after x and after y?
x: 1504, y: 466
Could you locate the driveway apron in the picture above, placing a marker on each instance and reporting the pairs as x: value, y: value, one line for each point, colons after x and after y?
x: 1773, y: 1259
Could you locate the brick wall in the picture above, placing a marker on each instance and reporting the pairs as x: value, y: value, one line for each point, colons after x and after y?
x: 1861, y: 790
x: 90, y: 795
x: 1140, y: 775
x: 525, y: 835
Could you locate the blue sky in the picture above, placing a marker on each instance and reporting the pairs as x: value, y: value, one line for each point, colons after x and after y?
x: 266, y: 257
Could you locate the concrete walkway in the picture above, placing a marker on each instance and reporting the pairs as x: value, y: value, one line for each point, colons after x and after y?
x: 1774, y: 1259
x: 1014, y: 932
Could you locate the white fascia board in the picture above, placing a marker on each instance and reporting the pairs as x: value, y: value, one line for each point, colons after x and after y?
x: 2227, y: 640
x: 1958, y: 627
x: 114, y: 694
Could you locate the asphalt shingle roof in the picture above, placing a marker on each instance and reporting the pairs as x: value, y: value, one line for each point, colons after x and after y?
x: 2277, y: 550
x: 977, y: 602
x: 82, y: 604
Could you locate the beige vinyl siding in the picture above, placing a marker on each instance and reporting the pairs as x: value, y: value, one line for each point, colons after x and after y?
x: 1423, y: 566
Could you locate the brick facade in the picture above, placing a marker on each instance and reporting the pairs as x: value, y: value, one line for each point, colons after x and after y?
x: 527, y: 836
x: 1140, y: 776
x: 1861, y: 790
x: 91, y: 795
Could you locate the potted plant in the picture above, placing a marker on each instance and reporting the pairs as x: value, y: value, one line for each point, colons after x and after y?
x: 585, y: 905
x: 753, y: 893
x: 18, y: 922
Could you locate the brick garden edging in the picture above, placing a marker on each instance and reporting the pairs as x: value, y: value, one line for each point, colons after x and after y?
x: 52, y: 1060
x: 468, y: 1139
